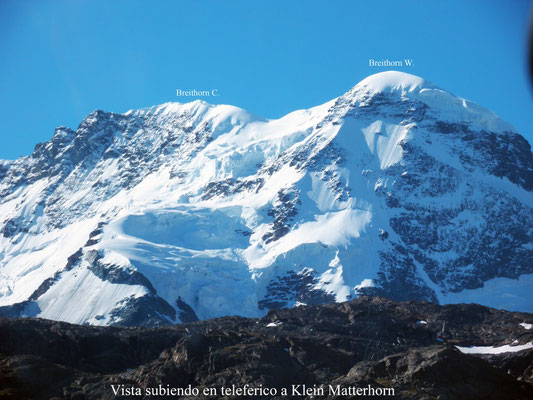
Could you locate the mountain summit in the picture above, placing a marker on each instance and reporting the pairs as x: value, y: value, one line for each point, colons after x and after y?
x: 190, y: 211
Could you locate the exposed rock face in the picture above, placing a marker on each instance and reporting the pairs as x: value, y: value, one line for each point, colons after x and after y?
x: 410, y: 347
x: 396, y: 188
x: 294, y: 287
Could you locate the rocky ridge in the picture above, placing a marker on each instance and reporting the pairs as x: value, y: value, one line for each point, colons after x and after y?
x: 412, y: 347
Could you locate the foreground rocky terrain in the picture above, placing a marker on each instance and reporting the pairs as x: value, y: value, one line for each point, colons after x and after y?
x: 416, y: 348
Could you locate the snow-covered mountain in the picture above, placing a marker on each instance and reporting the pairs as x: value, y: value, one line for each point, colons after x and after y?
x: 186, y: 211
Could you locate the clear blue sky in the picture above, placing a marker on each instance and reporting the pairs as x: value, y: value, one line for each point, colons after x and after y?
x: 60, y: 60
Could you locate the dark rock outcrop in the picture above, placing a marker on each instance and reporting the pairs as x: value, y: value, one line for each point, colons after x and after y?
x: 409, y: 347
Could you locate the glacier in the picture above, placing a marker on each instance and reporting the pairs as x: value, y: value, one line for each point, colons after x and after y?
x: 181, y: 212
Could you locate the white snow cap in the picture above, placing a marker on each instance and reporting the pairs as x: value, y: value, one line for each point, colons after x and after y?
x: 449, y: 106
x: 389, y: 81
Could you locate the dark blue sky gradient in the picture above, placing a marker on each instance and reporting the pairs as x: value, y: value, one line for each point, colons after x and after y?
x: 60, y: 60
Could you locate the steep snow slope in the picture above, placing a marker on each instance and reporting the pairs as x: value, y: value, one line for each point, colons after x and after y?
x: 186, y: 211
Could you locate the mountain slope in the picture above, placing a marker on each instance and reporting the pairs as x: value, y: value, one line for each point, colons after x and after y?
x: 191, y: 211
